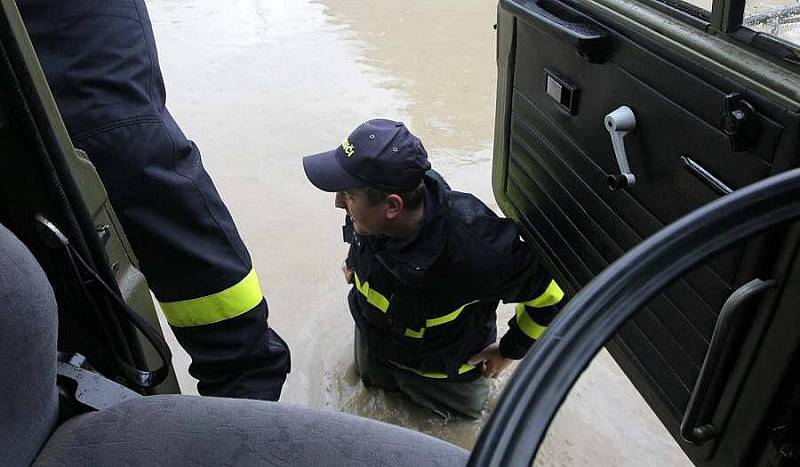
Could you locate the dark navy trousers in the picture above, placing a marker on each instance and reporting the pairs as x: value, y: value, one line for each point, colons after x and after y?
x: 100, y: 60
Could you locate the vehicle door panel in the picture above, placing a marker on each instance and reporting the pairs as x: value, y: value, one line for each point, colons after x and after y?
x: 552, y: 164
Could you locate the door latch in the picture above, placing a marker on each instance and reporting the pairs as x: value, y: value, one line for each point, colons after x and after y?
x: 619, y: 123
x: 740, y: 122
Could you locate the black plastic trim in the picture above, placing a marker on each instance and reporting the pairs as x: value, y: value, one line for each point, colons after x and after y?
x: 565, y: 23
x: 788, y: 52
x: 683, y: 11
x: 696, y: 426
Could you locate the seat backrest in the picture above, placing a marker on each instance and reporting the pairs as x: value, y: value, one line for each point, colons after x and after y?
x: 28, y: 334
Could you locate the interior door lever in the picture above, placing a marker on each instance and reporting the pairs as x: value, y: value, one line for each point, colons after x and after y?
x: 619, y: 123
x: 696, y: 426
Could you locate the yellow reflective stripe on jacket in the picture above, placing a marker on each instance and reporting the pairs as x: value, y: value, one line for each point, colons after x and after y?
x: 429, y: 323
x: 552, y: 295
x: 530, y: 327
x: 448, y: 317
x: 374, y: 298
x: 432, y: 374
x: 229, y: 303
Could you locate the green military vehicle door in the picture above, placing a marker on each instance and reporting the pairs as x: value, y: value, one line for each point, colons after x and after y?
x: 614, y: 119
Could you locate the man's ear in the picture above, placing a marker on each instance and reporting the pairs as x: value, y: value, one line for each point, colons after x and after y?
x: 394, y: 205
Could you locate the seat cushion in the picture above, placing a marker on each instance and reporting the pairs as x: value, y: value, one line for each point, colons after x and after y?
x: 28, y: 333
x: 194, y: 430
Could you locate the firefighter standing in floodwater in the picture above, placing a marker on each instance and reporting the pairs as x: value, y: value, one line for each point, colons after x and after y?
x: 429, y: 266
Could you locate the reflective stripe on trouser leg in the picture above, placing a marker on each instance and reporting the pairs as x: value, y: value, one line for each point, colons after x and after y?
x: 237, y: 357
x: 213, y: 308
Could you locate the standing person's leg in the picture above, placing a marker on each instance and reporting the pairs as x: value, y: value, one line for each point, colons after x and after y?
x: 372, y: 371
x: 101, y: 63
x: 194, y: 260
x: 445, y: 398
x: 467, y: 399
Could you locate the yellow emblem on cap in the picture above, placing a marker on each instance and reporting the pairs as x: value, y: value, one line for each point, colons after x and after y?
x: 348, y: 148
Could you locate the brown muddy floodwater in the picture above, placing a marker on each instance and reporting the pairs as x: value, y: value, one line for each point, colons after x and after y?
x: 258, y: 84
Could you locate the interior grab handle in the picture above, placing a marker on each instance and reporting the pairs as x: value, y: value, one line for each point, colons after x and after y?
x: 565, y: 23
x: 696, y: 426
x: 619, y: 123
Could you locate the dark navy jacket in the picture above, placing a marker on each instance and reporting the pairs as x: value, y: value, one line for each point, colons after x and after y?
x: 428, y: 304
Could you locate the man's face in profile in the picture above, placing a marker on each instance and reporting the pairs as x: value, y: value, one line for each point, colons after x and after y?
x: 368, y: 218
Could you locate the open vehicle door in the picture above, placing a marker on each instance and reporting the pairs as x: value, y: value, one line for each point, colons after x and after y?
x: 767, y: 407
x: 52, y: 199
x: 614, y: 119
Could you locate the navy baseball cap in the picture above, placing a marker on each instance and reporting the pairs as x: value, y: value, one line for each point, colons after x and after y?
x: 379, y: 153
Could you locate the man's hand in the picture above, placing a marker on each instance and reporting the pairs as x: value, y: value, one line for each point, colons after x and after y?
x: 492, y: 361
x: 348, y: 273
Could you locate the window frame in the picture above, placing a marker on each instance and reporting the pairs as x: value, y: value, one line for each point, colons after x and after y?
x: 727, y: 17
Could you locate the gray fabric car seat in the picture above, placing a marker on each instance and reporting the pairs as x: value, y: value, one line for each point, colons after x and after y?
x: 28, y: 395
x: 192, y: 430
x: 170, y: 429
